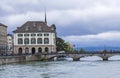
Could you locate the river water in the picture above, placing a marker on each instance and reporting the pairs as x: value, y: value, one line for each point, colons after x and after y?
x: 90, y: 67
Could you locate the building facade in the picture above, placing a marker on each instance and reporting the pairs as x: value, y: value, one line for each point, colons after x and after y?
x: 3, y: 38
x: 9, y: 43
x: 35, y: 37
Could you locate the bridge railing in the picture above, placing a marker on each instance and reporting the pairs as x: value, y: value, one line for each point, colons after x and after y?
x: 73, y: 52
x: 95, y: 52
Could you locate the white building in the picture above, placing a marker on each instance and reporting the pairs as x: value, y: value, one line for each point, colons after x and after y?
x: 35, y: 37
x: 9, y: 43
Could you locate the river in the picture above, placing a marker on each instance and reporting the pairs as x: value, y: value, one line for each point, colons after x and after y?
x: 90, y: 67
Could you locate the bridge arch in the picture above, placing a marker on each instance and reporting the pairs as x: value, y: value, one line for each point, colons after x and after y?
x: 53, y: 57
x: 91, y: 58
x: 114, y: 57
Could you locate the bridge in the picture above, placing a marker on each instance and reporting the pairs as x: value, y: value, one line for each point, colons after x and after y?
x: 77, y: 55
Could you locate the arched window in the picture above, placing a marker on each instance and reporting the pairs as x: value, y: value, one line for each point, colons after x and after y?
x: 39, y: 41
x: 46, y: 41
x: 20, y: 41
x: 26, y: 50
x: 39, y: 50
x: 46, y: 49
x: 33, y: 41
x: 20, y: 51
x: 26, y: 41
x: 33, y: 50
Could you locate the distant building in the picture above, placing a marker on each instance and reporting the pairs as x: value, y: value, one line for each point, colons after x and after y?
x: 35, y: 37
x: 3, y: 38
x: 9, y: 43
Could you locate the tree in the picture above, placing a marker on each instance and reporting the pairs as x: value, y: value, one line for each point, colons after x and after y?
x: 59, y: 44
x: 104, y: 51
x: 67, y: 47
x: 62, y: 45
x: 82, y: 50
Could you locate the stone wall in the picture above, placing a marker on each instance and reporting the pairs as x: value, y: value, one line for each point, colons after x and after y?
x: 16, y: 59
x: 50, y: 47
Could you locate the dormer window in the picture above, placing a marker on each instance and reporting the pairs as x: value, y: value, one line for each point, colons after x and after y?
x: 34, y: 24
x: 27, y: 28
x: 52, y: 28
x: 39, y: 28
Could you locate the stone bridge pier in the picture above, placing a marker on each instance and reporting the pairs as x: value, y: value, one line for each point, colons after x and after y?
x: 76, y: 58
x: 105, y: 58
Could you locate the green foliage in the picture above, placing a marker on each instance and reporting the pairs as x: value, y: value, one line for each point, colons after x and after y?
x: 62, y: 45
x: 59, y: 44
x: 67, y: 47
x: 104, y: 51
x: 82, y: 50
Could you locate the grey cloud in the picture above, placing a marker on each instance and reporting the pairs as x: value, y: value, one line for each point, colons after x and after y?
x: 21, y: 6
x: 101, y: 39
x: 91, y: 27
x: 77, y: 17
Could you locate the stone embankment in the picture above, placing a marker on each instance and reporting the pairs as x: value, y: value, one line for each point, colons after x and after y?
x: 16, y: 59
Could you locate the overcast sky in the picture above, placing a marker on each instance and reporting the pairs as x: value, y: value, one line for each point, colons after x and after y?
x: 81, y: 22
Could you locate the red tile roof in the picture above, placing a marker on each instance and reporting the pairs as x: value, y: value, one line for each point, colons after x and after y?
x: 35, y: 26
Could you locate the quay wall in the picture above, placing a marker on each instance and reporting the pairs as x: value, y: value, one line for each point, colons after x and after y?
x: 17, y: 59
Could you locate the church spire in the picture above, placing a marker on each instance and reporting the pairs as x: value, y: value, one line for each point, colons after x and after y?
x: 45, y: 16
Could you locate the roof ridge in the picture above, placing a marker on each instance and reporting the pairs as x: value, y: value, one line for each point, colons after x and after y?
x: 35, y: 21
x: 2, y: 25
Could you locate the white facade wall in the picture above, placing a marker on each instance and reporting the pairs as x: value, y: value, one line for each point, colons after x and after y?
x: 10, y: 43
x: 51, y: 38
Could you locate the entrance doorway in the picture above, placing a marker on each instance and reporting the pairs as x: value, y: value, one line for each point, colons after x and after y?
x: 26, y: 50
x: 39, y: 50
x: 33, y: 50
x: 46, y: 49
x: 20, y: 51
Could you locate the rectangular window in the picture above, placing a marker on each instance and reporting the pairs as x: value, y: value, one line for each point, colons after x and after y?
x: 33, y: 41
x: 33, y: 34
x: 26, y: 35
x: 46, y: 41
x: 9, y: 42
x: 39, y: 41
x: 20, y: 35
x: 46, y: 34
x: 39, y: 34
x: 20, y: 41
x: 26, y: 41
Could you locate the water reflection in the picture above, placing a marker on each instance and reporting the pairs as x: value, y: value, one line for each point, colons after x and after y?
x: 45, y: 75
